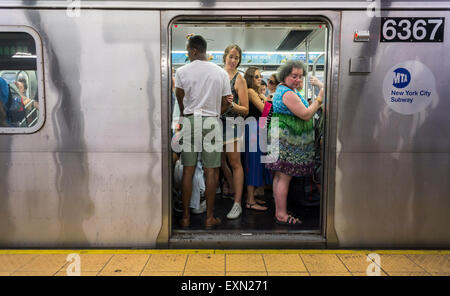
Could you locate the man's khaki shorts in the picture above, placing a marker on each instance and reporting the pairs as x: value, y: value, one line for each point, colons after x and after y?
x: 208, y: 141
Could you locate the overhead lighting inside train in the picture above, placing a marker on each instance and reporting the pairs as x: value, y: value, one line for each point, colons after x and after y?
x: 23, y: 55
x: 259, y: 52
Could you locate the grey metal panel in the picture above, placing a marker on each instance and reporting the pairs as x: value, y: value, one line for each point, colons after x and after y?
x: 392, y: 170
x: 393, y: 200
x: 366, y: 123
x: 107, y: 200
x: 228, y: 4
x: 91, y: 177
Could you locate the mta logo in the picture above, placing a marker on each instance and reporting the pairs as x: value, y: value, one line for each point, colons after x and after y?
x: 402, y: 78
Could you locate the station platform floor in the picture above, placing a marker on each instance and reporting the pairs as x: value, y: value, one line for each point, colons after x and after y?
x: 198, y: 262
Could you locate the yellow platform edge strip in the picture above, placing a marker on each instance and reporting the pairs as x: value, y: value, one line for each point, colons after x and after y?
x: 218, y: 251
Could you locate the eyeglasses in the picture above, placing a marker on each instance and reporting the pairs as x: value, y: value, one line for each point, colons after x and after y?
x: 257, y: 76
x: 271, y: 81
x: 295, y: 76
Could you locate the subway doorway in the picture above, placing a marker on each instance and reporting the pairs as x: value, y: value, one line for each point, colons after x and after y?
x: 265, y: 45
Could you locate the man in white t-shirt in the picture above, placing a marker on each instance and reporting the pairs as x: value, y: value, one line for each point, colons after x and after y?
x: 203, y: 92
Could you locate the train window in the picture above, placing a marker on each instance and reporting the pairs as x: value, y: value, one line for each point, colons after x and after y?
x: 21, y: 105
x: 264, y: 46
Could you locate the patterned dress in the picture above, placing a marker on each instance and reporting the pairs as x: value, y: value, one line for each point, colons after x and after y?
x: 293, y: 152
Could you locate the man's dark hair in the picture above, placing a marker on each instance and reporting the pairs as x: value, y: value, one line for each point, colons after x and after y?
x: 197, y: 42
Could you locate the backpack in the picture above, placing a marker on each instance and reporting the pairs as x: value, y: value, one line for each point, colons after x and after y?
x: 15, y: 108
x: 4, y: 90
x: 3, y: 122
x: 4, y: 94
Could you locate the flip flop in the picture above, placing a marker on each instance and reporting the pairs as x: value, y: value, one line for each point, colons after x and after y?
x: 252, y: 207
x: 291, y: 221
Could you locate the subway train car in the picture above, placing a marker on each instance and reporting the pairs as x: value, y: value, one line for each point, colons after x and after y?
x: 89, y: 164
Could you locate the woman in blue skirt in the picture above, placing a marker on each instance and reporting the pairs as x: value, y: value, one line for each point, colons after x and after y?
x: 255, y: 172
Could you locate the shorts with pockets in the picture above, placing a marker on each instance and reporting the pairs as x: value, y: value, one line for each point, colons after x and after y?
x: 208, y: 141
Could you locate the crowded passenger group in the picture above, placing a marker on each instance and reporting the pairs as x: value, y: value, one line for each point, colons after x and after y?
x: 221, y: 95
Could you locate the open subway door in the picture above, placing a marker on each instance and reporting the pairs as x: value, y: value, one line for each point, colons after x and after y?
x: 267, y: 41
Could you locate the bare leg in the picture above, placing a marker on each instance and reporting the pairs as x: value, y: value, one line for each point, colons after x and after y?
x: 238, y: 182
x: 251, y: 201
x: 212, y: 179
x: 280, y: 189
x: 238, y: 173
x: 174, y: 162
x: 250, y: 193
x: 227, y: 173
x: 186, y: 191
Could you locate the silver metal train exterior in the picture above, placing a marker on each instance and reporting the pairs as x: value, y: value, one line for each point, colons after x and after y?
x: 95, y: 173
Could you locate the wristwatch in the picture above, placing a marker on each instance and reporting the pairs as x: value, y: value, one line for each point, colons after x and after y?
x: 232, y: 105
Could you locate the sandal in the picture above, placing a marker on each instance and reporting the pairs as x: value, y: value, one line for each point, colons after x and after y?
x: 213, y: 224
x: 254, y: 207
x: 291, y: 221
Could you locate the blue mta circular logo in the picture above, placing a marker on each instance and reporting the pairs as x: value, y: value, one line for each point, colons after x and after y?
x: 402, y: 78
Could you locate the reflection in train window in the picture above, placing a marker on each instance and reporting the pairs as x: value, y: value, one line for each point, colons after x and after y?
x: 266, y: 46
x: 19, y: 100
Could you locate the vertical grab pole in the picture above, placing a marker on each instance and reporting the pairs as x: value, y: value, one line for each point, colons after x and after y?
x: 314, y: 71
x: 307, y: 68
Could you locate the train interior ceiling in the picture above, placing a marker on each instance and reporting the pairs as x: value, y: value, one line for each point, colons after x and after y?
x: 265, y: 45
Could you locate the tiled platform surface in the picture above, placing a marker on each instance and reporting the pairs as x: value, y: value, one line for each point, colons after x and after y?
x: 225, y: 262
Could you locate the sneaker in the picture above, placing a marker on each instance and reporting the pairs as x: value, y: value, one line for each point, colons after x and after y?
x: 201, y: 209
x: 235, y: 212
